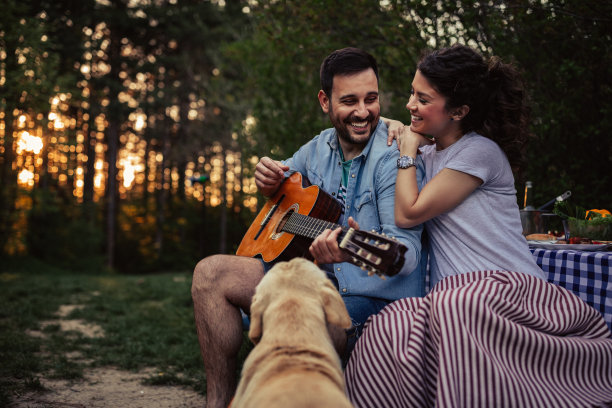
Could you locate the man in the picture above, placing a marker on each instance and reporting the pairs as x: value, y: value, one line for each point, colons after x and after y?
x: 353, y: 163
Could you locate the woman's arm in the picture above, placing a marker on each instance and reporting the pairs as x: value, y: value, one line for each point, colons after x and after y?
x: 443, y: 193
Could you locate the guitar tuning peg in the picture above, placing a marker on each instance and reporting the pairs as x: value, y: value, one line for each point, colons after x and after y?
x: 370, y: 273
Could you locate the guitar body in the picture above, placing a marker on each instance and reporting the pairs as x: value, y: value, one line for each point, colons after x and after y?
x: 265, y: 237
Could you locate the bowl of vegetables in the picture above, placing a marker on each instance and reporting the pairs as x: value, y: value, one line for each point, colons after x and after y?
x: 591, y: 224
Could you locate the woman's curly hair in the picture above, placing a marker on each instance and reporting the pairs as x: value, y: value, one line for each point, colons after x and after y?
x: 493, y: 91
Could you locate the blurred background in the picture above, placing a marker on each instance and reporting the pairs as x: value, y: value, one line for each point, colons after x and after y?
x: 129, y: 129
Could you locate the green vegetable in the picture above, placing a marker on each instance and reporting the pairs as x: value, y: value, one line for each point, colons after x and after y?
x: 598, y: 227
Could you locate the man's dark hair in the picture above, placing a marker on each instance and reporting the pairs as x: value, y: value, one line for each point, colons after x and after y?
x: 345, y: 61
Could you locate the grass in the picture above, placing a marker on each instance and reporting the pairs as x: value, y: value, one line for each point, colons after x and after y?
x: 147, y: 322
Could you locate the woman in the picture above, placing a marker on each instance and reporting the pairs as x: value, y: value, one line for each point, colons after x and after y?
x: 492, y: 332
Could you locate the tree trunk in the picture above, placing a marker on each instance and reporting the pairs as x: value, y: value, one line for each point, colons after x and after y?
x: 8, y: 181
x: 182, y: 141
x: 146, y: 171
x: 223, y: 218
x: 8, y: 177
x: 111, y: 192
x: 162, y: 192
x: 112, y: 134
x: 90, y: 153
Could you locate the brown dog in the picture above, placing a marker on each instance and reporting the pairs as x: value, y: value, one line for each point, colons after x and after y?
x: 294, y: 363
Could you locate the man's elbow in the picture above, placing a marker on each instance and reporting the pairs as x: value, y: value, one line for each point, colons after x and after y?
x: 412, y: 259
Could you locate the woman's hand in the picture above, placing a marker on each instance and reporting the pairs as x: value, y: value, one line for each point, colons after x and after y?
x: 409, y: 139
x: 394, y: 128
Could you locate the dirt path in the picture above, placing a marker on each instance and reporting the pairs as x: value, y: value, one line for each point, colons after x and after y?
x: 109, y: 387
x: 106, y: 387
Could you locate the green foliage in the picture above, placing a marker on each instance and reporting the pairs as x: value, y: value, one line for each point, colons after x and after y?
x: 264, y: 63
x: 30, y: 68
x: 283, y: 55
x: 573, y: 53
x: 564, y: 49
x: 59, y: 235
x: 566, y: 210
x: 188, y: 237
x: 585, y: 223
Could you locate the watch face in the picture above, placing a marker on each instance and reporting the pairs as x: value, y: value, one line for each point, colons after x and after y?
x: 405, y: 162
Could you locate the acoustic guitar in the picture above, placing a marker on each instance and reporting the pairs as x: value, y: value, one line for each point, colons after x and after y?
x: 298, y: 213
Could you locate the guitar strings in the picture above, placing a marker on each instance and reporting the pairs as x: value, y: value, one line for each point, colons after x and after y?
x: 307, y: 226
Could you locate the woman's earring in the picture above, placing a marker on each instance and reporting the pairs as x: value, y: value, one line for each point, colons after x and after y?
x: 452, y: 119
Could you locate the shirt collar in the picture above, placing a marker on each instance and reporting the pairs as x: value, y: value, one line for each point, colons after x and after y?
x: 334, y: 144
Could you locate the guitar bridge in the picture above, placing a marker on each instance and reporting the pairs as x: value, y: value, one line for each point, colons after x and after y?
x: 268, y: 216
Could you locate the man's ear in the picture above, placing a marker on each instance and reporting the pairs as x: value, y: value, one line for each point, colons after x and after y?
x: 324, y: 101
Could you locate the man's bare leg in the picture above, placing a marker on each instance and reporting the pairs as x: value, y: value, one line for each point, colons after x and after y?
x: 221, y: 285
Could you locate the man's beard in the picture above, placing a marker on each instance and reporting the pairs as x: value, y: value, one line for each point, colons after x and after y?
x: 344, y: 133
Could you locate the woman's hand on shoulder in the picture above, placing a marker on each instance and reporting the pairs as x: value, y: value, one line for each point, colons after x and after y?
x: 393, y: 127
x: 405, y: 136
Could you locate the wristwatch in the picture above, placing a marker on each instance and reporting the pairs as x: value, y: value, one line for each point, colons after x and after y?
x: 405, y: 162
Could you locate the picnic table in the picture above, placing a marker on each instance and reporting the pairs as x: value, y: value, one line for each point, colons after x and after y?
x: 585, y: 273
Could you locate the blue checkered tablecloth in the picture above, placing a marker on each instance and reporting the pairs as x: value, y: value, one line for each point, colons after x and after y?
x: 587, y: 274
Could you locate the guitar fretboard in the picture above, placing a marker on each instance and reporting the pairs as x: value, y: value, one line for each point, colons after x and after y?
x: 306, y: 226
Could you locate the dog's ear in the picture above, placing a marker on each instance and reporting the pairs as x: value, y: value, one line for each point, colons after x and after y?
x: 335, y: 310
x: 256, y: 322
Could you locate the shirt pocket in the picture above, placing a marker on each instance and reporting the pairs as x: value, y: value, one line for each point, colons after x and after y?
x: 367, y: 212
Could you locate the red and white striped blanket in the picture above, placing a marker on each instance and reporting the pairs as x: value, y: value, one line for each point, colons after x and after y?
x: 484, y: 339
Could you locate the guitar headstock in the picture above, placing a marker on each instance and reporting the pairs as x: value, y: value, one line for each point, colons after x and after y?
x: 373, y: 252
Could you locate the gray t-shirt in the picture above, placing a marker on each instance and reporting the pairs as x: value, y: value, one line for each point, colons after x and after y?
x: 483, y: 232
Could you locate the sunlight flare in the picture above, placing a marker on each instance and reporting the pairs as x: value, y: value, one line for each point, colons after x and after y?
x: 26, y: 177
x: 130, y: 168
x: 29, y: 143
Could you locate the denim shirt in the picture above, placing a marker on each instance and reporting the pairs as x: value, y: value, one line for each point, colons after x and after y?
x: 370, y: 200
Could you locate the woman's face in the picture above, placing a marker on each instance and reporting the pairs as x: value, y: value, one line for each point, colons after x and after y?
x: 427, y: 107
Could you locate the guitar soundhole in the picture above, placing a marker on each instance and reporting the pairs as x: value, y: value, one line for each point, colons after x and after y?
x: 279, y: 228
x: 283, y: 221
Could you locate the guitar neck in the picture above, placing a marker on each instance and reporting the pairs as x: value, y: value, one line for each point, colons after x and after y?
x: 306, y: 226
x: 372, y: 252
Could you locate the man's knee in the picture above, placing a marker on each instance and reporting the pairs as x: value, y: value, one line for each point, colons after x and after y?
x: 227, y: 274
x: 206, y: 274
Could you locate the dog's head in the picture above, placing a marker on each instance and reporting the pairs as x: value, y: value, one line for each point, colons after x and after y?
x: 301, y: 278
